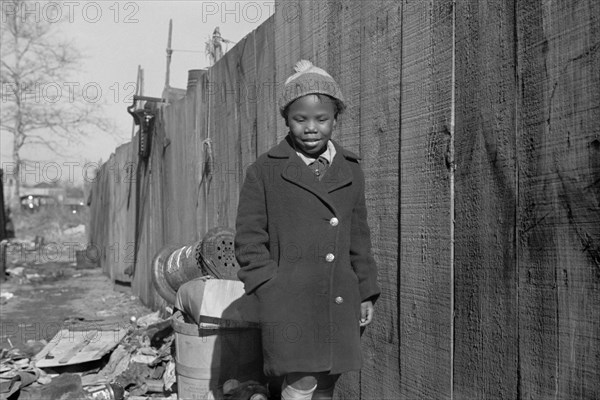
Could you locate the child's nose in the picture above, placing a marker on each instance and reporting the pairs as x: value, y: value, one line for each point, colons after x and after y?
x: 310, y: 126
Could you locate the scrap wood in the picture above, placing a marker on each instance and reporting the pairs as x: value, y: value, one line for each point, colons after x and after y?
x: 75, y: 347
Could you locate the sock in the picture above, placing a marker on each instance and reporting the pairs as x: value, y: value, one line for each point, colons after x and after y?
x: 290, y: 393
x: 323, y: 394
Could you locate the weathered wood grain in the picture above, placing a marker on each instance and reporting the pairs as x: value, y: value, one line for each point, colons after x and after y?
x: 287, y: 50
x: 266, y: 98
x: 248, y: 121
x: 215, y: 99
x: 514, y: 313
x: 379, y: 147
x: 486, y: 320
x: 425, y: 285
x: 347, y: 68
x: 200, y: 150
x: 175, y: 126
x: 339, y: 53
x: 559, y: 202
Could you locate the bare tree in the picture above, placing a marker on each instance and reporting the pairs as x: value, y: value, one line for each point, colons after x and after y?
x: 40, y: 105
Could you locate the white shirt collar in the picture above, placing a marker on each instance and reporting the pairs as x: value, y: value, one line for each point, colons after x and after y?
x: 327, y: 154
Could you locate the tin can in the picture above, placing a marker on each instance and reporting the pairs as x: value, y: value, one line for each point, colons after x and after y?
x: 103, y: 392
x: 258, y: 396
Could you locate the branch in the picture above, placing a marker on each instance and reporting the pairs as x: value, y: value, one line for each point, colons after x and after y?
x: 50, y: 144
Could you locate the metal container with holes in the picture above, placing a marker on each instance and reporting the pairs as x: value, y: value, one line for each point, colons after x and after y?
x: 217, y: 253
x: 174, y: 265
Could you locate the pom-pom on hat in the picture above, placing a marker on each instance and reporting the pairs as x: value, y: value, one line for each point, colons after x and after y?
x: 309, y: 79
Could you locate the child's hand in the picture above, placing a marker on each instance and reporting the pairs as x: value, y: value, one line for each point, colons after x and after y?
x: 366, y: 312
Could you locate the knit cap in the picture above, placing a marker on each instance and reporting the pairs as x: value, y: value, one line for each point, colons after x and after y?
x: 309, y: 79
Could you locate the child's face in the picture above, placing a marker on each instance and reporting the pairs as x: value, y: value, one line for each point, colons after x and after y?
x: 311, y: 122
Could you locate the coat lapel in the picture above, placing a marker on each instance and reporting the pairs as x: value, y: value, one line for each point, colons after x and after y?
x: 297, y: 172
x: 339, y: 173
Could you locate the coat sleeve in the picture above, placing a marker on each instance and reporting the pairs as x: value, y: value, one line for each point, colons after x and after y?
x: 252, y: 236
x: 361, y: 257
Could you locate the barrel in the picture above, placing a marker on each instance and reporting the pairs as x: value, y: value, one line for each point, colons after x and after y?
x: 207, y: 355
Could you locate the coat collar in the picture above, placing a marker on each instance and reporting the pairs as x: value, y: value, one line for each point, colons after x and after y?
x: 297, y: 172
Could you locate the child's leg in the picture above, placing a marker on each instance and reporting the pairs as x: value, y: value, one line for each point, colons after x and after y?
x: 325, y: 386
x: 304, y: 386
x: 298, y: 386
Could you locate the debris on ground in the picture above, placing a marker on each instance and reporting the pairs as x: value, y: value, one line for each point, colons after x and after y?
x: 5, y: 296
x: 109, y: 361
x: 78, y: 363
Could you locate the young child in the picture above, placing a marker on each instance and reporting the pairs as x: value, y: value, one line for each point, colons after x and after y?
x: 304, y: 246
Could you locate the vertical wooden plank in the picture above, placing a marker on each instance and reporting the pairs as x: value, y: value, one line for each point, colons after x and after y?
x: 141, y: 283
x: 379, y: 147
x: 131, y: 205
x: 189, y: 170
x: 347, y: 133
x: 101, y: 210
x: 112, y: 248
x: 200, y: 147
x: 323, y: 41
x: 486, y: 336
x: 287, y: 48
x: 248, y: 120
x: 214, y: 102
x: 225, y: 137
x: 175, y: 125
x: 184, y: 169
x: 559, y: 187
x: 106, y: 177
x: 307, y: 28
x: 425, y: 201
x: 231, y: 135
x: 123, y: 244
x: 155, y: 229
x: 538, y: 347
x: 266, y: 102
x: 349, y: 75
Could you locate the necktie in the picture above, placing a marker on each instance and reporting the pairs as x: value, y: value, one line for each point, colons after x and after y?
x: 319, y: 167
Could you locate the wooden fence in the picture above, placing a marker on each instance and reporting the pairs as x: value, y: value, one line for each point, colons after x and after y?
x: 477, y: 122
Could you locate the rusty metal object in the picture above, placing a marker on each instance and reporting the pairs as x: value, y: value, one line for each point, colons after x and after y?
x: 217, y: 253
x: 174, y: 265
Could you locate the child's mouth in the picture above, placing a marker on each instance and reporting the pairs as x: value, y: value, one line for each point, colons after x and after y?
x: 311, y: 142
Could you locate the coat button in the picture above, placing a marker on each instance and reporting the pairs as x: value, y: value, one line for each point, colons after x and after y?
x: 329, y: 257
x: 339, y: 300
x: 334, y: 221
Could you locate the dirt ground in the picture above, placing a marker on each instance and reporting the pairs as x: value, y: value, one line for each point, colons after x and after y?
x: 48, y: 290
x: 48, y: 296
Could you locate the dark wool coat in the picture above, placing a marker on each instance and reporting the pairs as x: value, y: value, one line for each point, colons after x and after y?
x: 304, y: 249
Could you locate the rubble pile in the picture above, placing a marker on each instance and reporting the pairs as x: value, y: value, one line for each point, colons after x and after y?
x: 140, y: 366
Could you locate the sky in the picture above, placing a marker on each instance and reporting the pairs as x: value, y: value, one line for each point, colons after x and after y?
x: 117, y: 36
